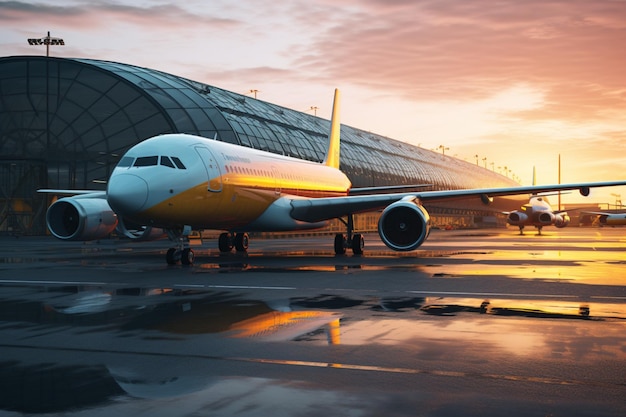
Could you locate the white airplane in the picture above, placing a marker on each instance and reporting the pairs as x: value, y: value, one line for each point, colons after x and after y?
x: 537, y: 212
x: 179, y: 182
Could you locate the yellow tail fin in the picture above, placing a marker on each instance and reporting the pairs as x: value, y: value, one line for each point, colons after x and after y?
x: 332, y: 157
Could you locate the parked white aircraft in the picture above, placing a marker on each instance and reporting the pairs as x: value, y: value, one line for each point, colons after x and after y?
x: 180, y: 182
x: 537, y: 212
x: 609, y: 219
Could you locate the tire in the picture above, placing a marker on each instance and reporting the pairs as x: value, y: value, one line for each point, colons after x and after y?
x: 172, y: 256
x: 241, y: 242
x: 187, y: 256
x: 340, y: 246
x: 358, y: 242
x: 225, y: 243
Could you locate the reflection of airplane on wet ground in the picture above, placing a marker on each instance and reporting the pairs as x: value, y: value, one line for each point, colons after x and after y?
x: 278, y: 320
x: 180, y: 183
x: 537, y: 212
x: 159, y: 343
x: 164, y: 313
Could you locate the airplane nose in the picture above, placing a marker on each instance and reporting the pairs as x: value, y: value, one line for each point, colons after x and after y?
x: 127, y: 194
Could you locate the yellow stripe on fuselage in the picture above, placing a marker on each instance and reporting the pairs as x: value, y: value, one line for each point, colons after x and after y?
x: 243, y: 198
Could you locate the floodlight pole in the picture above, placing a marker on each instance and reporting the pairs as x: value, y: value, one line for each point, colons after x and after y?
x: 46, y: 41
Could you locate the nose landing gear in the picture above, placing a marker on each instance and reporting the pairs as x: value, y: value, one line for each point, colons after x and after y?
x: 185, y: 256
x: 182, y: 252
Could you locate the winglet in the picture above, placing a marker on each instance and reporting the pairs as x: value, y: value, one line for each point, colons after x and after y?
x: 332, y: 157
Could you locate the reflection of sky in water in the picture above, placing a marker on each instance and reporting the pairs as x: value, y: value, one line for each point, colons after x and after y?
x: 600, y: 268
x: 487, y: 335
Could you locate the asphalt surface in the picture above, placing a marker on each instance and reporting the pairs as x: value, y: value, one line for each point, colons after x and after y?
x: 474, y: 323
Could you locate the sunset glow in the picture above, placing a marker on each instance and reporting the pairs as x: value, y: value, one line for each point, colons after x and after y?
x: 503, y: 84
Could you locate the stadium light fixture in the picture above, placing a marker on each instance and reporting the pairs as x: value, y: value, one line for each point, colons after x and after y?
x: 47, y: 40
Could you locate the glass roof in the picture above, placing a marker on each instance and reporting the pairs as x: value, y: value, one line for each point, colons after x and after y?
x: 98, y: 109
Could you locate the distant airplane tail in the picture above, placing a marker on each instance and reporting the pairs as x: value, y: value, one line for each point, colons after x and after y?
x: 332, y: 156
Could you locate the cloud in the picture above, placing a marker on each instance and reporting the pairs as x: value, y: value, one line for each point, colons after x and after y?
x: 450, y: 50
x: 91, y: 15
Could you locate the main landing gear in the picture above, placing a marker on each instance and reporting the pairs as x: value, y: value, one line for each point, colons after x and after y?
x: 354, y: 241
x: 239, y: 241
x: 521, y: 230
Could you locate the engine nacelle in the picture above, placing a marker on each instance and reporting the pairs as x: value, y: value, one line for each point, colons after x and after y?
x: 81, y: 218
x: 404, y: 225
x: 516, y: 218
x: 139, y: 232
x: 561, y: 220
x: 546, y: 218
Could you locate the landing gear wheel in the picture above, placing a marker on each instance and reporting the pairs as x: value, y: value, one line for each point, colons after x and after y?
x: 241, y: 242
x: 187, y: 256
x: 225, y: 243
x: 172, y: 256
x: 340, y: 244
x: 357, y: 244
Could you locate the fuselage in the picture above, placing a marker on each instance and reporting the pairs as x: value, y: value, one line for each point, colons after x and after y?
x: 538, y: 213
x: 177, y: 179
x: 538, y: 210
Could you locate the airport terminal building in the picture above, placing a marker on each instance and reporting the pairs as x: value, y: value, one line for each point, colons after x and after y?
x: 65, y: 123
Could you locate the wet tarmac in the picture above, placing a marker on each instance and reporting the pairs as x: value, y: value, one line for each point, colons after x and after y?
x: 475, y: 323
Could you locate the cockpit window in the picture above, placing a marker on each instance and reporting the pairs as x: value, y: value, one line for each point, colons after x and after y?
x: 178, y: 163
x: 166, y: 161
x: 146, y: 161
x: 125, y: 162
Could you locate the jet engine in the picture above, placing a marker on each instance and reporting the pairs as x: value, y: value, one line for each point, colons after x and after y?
x: 561, y: 220
x: 404, y: 225
x: 546, y: 218
x: 516, y: 218
x: 81, y: 218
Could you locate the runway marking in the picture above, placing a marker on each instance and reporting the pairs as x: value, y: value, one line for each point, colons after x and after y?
x: 607, y: 297
x: 235, y: 287
x: 414, y: 371
x: 18, y: 281
x: 491, y: 294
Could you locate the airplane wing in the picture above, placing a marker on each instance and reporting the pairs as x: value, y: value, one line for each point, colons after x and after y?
x: 386, y: 189
x: 319, y: 209
x: 610, y: 219
x: 70, y: 192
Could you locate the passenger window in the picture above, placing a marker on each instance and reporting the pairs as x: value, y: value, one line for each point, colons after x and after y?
x: 178, y: 163
x: 126, y: 161
x: 166, y: 161
x: 146, y: 161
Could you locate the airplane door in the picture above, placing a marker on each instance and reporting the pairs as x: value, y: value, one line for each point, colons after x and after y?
x: 277, y: 182
x: 212, y: 169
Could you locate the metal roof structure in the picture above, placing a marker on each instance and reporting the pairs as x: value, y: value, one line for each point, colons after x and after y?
x: 64, y: 123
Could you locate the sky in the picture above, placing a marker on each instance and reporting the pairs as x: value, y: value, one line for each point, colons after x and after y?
x: 505, y: 83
